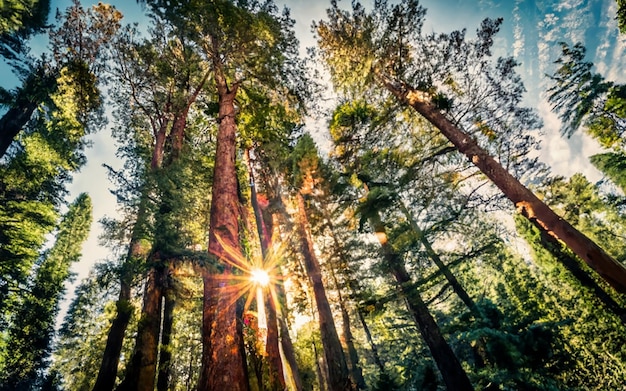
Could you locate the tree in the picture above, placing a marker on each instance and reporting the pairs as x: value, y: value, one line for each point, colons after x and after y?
x: 32, y: 326
x: 586, y: 100
x: 78, y: 47
x: 225, y: 34
x: 385, y: 49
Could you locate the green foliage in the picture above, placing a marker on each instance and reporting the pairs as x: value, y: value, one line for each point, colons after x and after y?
x: 613, y: 165
x: 589, y: 340
x: 20, y: 19
x: 586, y: 100
x: 621, y: 16
x: 82, y: 337
x: 32, y: 325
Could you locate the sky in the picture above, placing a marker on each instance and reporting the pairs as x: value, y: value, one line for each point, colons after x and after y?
x: 531, y: 32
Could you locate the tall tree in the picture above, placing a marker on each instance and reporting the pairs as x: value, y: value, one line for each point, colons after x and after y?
x: 32, y: 326
x: 78, y: 47
x: 306, y: 181
x: 225, y: 33
x: 386, y: 49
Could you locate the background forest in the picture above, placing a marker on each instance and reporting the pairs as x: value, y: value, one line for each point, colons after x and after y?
x: 373, y: 213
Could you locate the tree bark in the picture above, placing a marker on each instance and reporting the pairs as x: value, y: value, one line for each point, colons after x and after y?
x: 223, y: 360
x: 12, y: 122
x: 338, y: 377
x: 141, y: 372
x: 449, y: 366
x: 353, y: 357
x: 165, y: 348
x: 111, y: 356
x: 526, y: 202
x: 36, y: 88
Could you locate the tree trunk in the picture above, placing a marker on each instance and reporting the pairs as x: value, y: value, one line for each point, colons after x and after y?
x: 223, y: 359
x: 165, y: 348
x: 454, y: 283
x: 574, y: 266
x: 449, y: 366
x: 111, y: 356
x: 526, y: 202
x: 276, y: 377
x: 115, y: 339
x: 373, y: 346
x: 141, y: 372
x: 356, y: 373
x: 338, y: 378
x: 36, y: 88
x: 12, y: 122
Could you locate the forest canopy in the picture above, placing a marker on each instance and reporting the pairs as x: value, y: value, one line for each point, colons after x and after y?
x: 372, y: 213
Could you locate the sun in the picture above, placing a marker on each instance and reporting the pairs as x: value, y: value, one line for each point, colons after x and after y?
x: 260, y: 277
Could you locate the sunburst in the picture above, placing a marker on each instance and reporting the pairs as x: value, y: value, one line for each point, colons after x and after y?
x: 252, y: 278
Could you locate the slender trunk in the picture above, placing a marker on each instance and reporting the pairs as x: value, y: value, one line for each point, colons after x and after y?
x: 449, y: 366
x: 321, y: 369
x: 370, y: 340
x: 338, y: 378
x: 115, y: 339
x: 276, y: 377
x: 165, y: 349
x: 141, y: 371
x: 353, y: 357
x: 454, y: 283
x: 526, y: 202
x: 293, y: 373
x: 223, y: 360
x: 111, y: 356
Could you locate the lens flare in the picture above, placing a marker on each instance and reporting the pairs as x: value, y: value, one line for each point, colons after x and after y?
x: 260, y: 277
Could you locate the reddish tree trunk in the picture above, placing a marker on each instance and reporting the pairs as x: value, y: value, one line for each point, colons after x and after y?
x: 223, y: 360
x: 338, y: 377
x: 526, y: 202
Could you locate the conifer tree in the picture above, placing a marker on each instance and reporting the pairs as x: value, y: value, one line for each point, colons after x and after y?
x: 32, y: 326
x: 385, y: 51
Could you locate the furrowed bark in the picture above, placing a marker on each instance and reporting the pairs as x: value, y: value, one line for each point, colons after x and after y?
x: 223, y: 359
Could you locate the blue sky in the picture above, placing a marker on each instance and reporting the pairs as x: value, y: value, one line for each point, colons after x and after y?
x: 530, y: 32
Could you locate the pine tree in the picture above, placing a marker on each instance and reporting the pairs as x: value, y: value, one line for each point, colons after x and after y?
x: 32, y: 326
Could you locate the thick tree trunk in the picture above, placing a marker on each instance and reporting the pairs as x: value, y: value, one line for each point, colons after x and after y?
x: 223, y: 360
x: 141, y: 372
x: 526, y: 202
x: 338, y: 377
x: 449, y: 366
